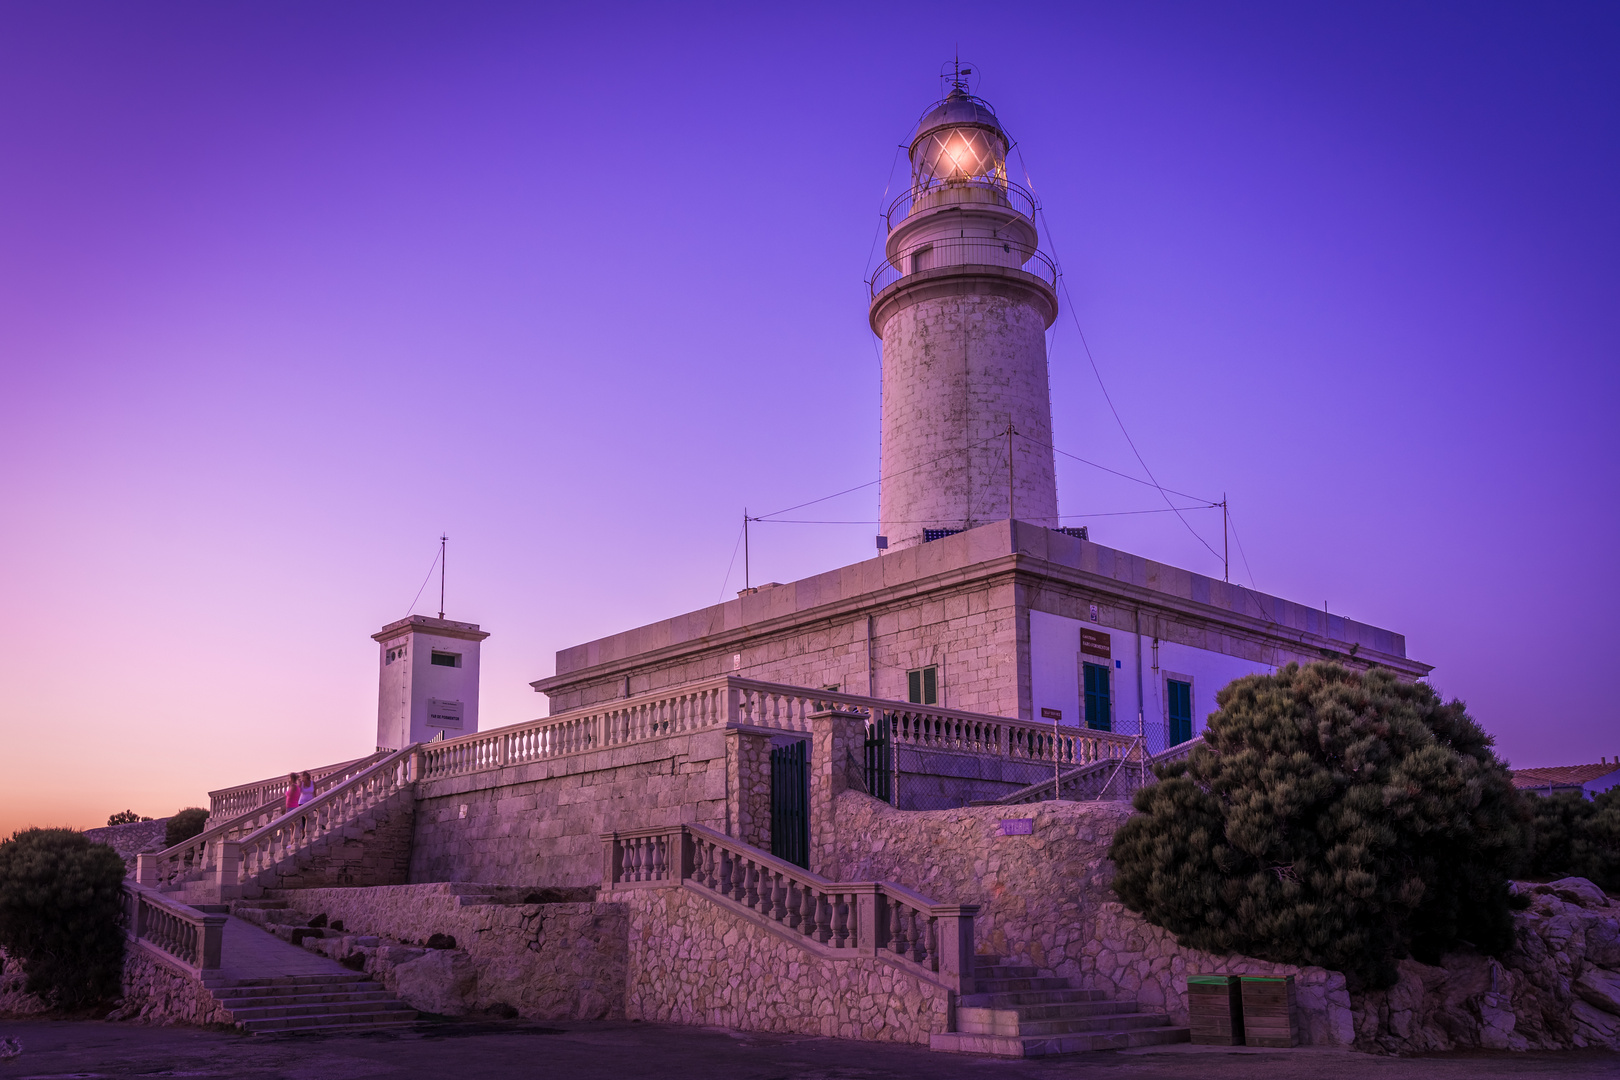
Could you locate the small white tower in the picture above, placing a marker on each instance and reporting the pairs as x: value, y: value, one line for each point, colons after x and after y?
x: 429, y: 680
x: 962, y: 304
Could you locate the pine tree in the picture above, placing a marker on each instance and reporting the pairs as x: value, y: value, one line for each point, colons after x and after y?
x: 1332, y: 817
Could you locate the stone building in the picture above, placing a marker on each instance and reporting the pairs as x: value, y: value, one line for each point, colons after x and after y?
x: 707, y: 803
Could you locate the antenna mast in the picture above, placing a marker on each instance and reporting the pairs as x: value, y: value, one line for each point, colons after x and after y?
x: 442, y: 539
x: 747, y: 584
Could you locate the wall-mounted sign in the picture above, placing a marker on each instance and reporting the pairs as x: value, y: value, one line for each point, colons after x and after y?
x: 1095, y: 643
x: 1018, y: 826
x: 444, y: 714
x: 1051, y: 714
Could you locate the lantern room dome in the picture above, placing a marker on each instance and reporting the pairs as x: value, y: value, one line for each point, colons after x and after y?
x: 959, y: 139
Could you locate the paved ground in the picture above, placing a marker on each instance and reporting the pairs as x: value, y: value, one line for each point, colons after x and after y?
x: 250, y: 951
x: 61, y: 1050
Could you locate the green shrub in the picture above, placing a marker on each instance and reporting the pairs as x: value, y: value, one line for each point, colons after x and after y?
x: 125, y: 817
x: 184, y: 825
x: 61, y: 914
x: 1576, y: 837
x: 1334, y: 818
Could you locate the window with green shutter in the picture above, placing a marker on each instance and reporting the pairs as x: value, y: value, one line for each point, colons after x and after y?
x: 1099, y: 710
x: 1180, y: 695
x: 922, y: 686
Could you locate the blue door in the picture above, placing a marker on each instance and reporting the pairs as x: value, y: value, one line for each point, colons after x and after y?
x: 1099, y: 710
x: 1180, y: 712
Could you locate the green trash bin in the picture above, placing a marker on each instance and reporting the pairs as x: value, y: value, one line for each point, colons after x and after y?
x: 1215, y: 1006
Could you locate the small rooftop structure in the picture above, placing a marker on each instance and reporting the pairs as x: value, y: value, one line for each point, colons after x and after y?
x: 1590, y: 780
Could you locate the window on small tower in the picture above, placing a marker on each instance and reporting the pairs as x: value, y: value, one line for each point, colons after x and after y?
x: 446, y: 659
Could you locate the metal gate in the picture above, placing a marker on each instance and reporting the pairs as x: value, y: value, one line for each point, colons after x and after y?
x: 790, y: 803
x: 880, y: 758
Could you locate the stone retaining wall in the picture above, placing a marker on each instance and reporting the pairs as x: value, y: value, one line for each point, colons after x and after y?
x: 1046, y: 900
x: 542, y: 821
x: 157, y: 993
x: 380, y: 855
x: 692, y: 961
x: 547, y: 961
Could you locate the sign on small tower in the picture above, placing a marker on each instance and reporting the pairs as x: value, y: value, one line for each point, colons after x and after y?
x: 428, y: 684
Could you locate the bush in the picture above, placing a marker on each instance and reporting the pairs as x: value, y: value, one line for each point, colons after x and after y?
x: 184, y: 825
x: 125, y: 817
x: 1334, y: 818
x: 61, y: 914
x: 1574, y: 836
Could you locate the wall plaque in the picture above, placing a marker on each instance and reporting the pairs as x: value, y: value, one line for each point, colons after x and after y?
x: 444, y: 714
x: 1095, y: 643
x: 1018, y: 826
x: 1051, y: 714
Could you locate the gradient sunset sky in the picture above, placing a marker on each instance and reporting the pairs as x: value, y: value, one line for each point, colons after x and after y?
x: 287, y: 290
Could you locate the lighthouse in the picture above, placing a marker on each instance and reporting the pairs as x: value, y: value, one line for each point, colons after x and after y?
x: 962, y: 302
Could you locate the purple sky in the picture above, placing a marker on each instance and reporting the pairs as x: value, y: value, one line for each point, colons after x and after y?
x: 286, y: 290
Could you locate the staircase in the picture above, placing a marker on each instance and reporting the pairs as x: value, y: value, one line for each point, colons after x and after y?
x: 309, y: 1003
x: 1016, y: 1012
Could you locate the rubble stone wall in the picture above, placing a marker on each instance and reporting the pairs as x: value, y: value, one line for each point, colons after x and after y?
x: 157, y: 993
x: 692, y: 961
x: 1045, y: 899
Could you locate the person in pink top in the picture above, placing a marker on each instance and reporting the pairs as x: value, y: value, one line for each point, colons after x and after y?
x: 294, y: 792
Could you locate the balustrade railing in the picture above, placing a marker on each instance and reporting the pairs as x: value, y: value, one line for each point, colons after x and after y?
x: 186, y: 935
x: 197, y: 857
x: 731, y: 700
x: 960, y: 190
x: 837, y: 918
x: 248, y: 797
x: 964, y: 252
x: 282, y: 838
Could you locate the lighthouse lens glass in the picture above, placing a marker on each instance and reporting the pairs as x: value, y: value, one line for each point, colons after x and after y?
x: 960, y: 154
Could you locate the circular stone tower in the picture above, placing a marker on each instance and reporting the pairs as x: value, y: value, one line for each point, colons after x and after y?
x: 962, y: 304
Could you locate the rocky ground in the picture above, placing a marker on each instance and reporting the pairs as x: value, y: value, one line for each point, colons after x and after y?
x: 1558, y: 988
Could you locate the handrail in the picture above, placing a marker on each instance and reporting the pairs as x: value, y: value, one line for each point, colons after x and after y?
x: 245, y: 797
x: 241, y: 860
x: 1138, y: 774
x: 194, y: 857
x: 185, y: 935
x: 1177, y: 752
x: 729, y: 700
x: 837, y: 919
x: 1015, y: 197
x: 962, y: 253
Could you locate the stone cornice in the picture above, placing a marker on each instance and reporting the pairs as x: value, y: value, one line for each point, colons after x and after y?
x: 422, y: 624
x: 1015, y: 568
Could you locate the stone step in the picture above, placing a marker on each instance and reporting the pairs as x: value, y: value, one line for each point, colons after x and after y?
x: 1069, y: 1010
x: 1002, y: 986
x: 324, y: 1008
x: 1018, y: 1046
x: 343, y: 1029
x: 1013, y: 999
x: 345, y: 978
x: 266, y: 1001
x: 1000, y: 1022
x: 329, y: 1020
x: 1004, y: 971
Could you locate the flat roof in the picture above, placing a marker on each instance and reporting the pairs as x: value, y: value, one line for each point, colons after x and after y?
x: 989, y: 549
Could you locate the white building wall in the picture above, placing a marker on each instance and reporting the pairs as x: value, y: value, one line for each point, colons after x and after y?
x: 1055, y: 675
x: 412, y: 690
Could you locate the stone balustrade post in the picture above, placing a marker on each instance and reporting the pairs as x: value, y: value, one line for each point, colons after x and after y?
x: 838, y: 741
x: 866, y: 898
x: 213, y: 933
x: 955, y: 929
x: 227, y: 870
x: 416, y: 764
x: 146, y: 870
